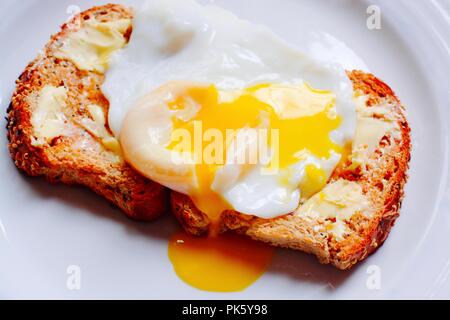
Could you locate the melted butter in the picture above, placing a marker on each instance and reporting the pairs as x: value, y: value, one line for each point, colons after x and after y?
x: 303, y: 117
x: 225, y: 263
x: 112, y: 144
x: 97, y: 127
x: 339, y: 200
x: 91, y: 46
x: 373, y: 123
x: 369, y: 132
x: 48, y: 119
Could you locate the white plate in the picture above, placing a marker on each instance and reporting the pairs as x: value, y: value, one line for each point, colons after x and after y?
x: 44, y: 229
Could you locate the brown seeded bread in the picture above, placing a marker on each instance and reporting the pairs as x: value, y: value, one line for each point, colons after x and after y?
x: 77, y: 157
x: 381, y: 178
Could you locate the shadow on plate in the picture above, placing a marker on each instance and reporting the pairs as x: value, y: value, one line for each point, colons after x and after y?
x: 82, y: 198
x: 302, y: 267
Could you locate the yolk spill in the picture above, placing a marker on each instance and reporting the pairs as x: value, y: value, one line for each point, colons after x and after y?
x: 225, y: 263
x: 302, y: 115
x: 314, y: 182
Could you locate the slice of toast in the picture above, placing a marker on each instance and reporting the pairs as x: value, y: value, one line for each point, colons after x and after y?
x: 57, y: 125
x: 352, y: 216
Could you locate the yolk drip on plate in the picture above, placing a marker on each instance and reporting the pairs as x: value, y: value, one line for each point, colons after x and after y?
x: 225, y: 263
x: 303, y: 117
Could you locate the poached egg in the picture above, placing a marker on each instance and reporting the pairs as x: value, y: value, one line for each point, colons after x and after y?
x: 189, y: 66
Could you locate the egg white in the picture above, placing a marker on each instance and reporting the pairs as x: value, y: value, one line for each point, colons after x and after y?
x: 182, y: 40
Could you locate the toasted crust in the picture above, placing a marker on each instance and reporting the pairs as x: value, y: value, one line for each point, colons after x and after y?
x: 382, y: 181
x: 77, y: 157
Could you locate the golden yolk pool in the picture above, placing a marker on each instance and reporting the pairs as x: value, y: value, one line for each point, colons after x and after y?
x: 224, y: 263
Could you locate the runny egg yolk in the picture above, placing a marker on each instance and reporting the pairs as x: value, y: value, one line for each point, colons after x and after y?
x: 303, y: 117
x: 225, y: 263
